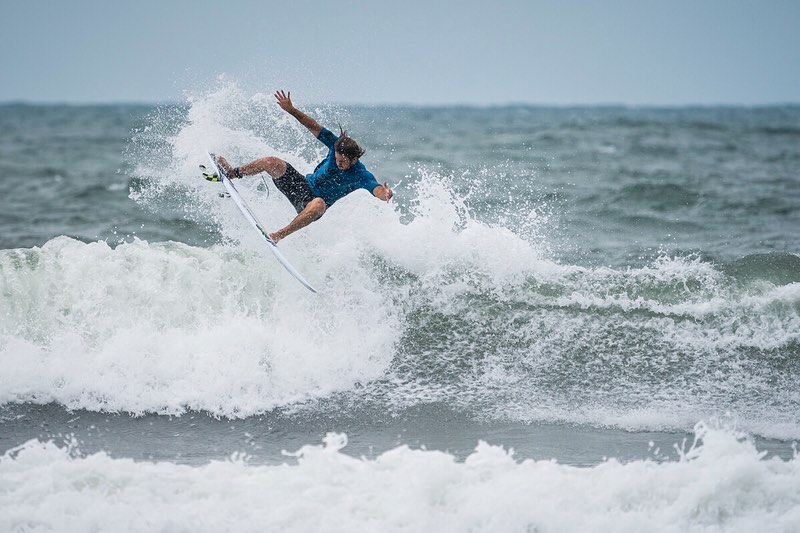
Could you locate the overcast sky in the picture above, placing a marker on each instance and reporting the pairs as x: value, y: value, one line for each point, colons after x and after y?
x: 637, y: 52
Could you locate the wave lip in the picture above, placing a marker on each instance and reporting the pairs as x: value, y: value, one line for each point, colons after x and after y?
x: 776, y: 268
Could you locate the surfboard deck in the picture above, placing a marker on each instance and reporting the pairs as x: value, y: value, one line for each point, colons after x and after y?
x: 251, y: 218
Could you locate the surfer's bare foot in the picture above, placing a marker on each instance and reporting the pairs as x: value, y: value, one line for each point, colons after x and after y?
x: 275, y: 237
x: 226, y: 167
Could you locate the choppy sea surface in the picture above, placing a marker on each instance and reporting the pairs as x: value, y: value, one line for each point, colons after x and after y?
x: 568, y: 319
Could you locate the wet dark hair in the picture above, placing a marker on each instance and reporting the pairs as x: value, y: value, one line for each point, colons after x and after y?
x: 347, y: 146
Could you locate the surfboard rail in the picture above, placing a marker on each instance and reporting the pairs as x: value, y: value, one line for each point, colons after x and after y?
x: 253, y: 220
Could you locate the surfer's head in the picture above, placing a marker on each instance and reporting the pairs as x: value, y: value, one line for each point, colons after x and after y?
x: 347, y: 151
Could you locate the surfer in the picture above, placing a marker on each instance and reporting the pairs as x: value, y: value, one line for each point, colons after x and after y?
x: 336, y: 176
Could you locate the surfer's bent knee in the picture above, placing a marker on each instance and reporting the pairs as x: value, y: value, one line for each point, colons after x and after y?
x: 275, y: 166
x: 318, y: 207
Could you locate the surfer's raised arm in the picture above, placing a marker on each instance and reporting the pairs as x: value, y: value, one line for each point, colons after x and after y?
x: 285, y: 101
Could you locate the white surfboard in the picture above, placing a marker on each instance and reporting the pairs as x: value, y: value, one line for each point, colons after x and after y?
x: 251, y: 218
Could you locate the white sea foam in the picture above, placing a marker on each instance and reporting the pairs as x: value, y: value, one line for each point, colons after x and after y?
x: 721, y: 483
x: 165, y: 327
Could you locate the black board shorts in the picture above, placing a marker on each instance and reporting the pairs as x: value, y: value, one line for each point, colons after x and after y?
x: 294, y: 186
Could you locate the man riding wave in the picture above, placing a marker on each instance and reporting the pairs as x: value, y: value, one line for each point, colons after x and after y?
x: 336, y: 176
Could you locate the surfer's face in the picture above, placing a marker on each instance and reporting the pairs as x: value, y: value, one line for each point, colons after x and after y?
x: 344, y: 162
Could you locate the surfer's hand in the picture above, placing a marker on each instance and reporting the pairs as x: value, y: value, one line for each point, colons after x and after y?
x: 387, y: 191
x: 284, y: 100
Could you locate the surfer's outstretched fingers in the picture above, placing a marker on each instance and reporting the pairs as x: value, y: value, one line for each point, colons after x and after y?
x: 284, y: 100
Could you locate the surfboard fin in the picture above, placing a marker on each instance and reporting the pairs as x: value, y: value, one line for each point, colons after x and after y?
x: 208, y: 175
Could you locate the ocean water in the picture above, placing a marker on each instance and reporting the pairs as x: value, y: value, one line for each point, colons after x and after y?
x: 567, y: 319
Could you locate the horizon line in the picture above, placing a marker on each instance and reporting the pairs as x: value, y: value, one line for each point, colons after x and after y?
x: 473, y: 105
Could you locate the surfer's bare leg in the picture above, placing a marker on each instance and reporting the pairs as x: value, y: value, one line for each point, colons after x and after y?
x: 314, y: 210
x: 274, y: 166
